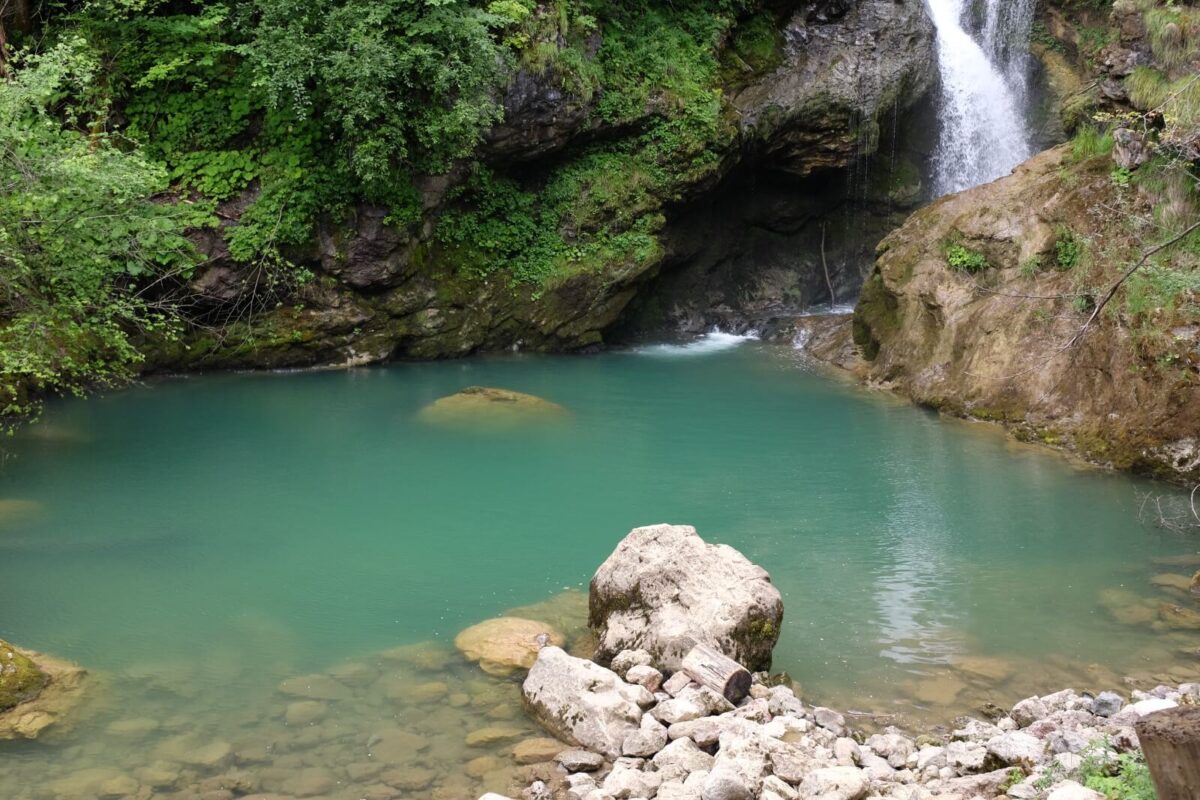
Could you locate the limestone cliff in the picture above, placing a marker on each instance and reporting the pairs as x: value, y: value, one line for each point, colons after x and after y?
x: 979, y: 306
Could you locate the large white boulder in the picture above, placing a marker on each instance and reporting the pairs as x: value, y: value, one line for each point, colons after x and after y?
x: 664, y: 590
x: 582, y: 702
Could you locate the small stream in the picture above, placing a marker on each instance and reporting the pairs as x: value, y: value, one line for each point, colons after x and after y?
x: 199, y: 543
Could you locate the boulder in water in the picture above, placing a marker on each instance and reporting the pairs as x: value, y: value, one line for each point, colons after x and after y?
x: 482, y: 406
x: 665, y: 590
x: 506, y: 644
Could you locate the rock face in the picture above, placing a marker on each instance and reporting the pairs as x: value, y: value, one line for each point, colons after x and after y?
x: 836, y: 70
x: 1004, y: 343
x: 506, y: 644
x: 582, y: 702
x: 664, y: 590
x: 481, y: 406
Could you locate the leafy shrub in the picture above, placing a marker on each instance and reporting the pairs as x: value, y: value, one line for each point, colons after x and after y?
x: 88, y: 246
x: 1126, y: 779
x: 963, y: 259
x: 1067, y: 250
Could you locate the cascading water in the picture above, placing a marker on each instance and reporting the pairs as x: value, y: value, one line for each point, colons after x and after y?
x: 983, y: 129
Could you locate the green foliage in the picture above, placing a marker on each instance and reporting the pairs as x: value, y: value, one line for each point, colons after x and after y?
x: 1179, y: 100
x: 1091, y: 141
x: 402, y: 85
x: 1067, y: 250
x: 88, y: 247
x: 755, y: 47
x: 963, y: 259
x: 1126, y: 778
x: 1174, y: 31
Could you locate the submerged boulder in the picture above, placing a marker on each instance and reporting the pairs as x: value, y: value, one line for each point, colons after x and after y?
x: 664, y: 590
x: 581, y: 702
x: 483, y: 406
x: 14, y: 511
x: 506, y: 644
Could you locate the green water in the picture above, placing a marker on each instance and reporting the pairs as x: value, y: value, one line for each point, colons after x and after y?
x: 207, y: 537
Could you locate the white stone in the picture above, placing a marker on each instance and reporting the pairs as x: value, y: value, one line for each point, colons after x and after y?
x: 683, y: 753
x: 738, y: 770
x: 664, y: 589
x: 967, y: 756
x: 628, y: 781
x: 1017, y: 748
x: 834, y: 783
x: 1070, y: 790
x: 847, y: 752
x: 689, y: 704
x: 830, y: 720
x: 650, y: 737
x: 893, y: 747
x: 677, y: 683
x: 1029, y: 711
x: 645, y: 675
x: 1144, y: 707
x: 581, y: 702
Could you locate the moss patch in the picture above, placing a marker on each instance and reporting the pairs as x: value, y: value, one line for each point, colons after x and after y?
x: 20, y: 678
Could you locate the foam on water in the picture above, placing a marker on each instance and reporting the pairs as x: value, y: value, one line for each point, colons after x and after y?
x: 715, y: 341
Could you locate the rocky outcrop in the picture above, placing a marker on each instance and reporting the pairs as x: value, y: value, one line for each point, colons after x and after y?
x: 382, y: 291
x: 664, y: 590
x: 1008, y: 336
x: 36, y: 692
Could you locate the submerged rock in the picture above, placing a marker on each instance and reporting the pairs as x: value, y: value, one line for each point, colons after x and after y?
x: 487, y: 407
x: 506, y: 644
x: 664, y: 590
x: 13, y: 512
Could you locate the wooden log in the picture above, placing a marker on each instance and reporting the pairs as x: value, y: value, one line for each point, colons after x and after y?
x: 1170, y: 740
x: 710, y: 667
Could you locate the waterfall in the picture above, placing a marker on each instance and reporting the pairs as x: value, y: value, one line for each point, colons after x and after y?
x: 983, y: 130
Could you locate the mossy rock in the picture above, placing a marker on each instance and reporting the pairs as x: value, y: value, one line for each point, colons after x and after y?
x: 20, y: 678
x: 486, y: 407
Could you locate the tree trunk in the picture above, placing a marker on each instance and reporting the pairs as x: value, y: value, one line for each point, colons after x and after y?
x: 1171, y: 741
x: 711, y: 668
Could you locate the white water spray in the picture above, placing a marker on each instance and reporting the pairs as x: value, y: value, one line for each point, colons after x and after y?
x: 983, y: 129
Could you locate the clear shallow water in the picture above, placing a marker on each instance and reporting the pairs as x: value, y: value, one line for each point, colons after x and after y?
x: 201, y: 539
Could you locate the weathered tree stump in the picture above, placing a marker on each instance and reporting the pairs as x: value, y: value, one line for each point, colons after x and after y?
x: 1170, y: 740
x: 712, y: 668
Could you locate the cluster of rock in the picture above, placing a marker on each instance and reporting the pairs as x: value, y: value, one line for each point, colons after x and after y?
x: 642, y: 735
x: 643, y: 727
